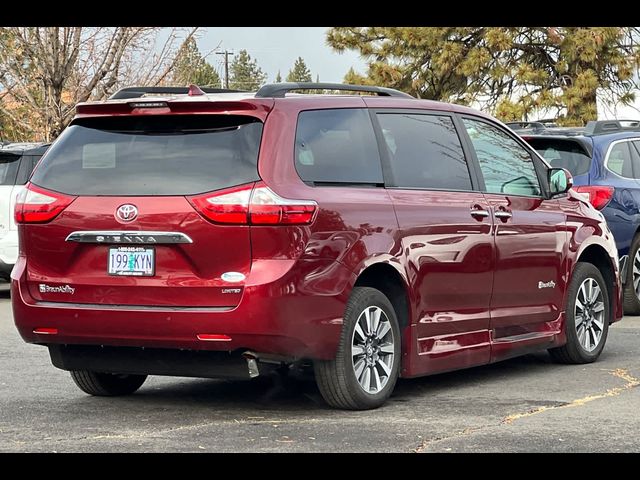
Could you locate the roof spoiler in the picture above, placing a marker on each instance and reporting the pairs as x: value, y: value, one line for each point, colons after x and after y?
x: 137, y: 92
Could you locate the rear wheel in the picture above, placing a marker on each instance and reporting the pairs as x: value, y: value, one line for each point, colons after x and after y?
x: 365, y: 370
x: 587, y: 317
x: 107, y: 384
x: 632, y: 285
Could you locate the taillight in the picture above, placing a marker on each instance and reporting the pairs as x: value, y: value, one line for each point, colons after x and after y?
x: 253, y: 204
x: 599, y: 196
x: 226, y: 206
x: 268, y: 208
x: 38, y: 205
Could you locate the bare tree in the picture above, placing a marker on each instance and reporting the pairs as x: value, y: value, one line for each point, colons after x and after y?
x: 45, y: 71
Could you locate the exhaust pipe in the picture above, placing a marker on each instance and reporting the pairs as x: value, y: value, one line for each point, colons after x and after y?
x: 252, y: 363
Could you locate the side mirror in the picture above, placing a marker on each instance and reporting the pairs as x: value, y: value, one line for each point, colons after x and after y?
x: 560, y: 181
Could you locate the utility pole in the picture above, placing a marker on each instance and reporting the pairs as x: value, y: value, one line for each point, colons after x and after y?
x: 226, y: 54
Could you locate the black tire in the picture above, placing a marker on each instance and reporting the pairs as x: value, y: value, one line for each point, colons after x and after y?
x: 573, y: 351
x: 107, y: 384
x: 336, y: 378
x: 631, y: 302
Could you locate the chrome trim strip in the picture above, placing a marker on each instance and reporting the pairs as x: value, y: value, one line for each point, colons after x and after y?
x: 123, y: 237
x: 133, y: 308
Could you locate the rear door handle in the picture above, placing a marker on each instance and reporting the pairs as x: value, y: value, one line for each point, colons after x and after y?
x: 503, y: 214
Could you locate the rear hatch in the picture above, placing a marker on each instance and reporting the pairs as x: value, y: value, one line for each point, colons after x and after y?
x: 565, y: 152
x: 129, y: 232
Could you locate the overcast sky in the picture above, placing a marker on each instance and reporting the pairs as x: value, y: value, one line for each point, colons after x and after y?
x: 276, y: 48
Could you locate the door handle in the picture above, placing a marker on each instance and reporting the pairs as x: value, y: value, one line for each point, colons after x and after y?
x: 479, y: 213
x: 503, y: 214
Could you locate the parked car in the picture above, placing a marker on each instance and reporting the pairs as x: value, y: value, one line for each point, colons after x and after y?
x: 168, y: 232
x: 16, y: 164
x: 604, y: 159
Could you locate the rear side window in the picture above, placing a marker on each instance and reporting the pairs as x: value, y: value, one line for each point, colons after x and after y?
x: 152, y: 155
x: 425, y: 151
x: 619, y: 160
x: 624, y: 159
x: 560, y: 153
x: 337, y: 146
x: 8, y: 168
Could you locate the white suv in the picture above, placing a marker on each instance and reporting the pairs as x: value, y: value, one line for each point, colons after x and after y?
x: 16, y: 164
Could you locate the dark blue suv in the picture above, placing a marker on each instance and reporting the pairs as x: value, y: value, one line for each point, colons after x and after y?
x: 604, y: 159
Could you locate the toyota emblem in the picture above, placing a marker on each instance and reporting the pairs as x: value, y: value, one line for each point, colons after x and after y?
x: 126, y: 213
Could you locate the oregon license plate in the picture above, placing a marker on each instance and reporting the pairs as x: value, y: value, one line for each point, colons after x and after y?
x: 133, y: 261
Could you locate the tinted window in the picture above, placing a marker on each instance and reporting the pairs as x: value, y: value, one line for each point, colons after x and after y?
x: 153, y: 155
x: 506, y: 166
x: 337, y: 146
x: 425, y: 151
x: 27, y: 164
x: 562, y: 153
x: 624, y: 160
x: 8, y: 168
x: 635, y: 158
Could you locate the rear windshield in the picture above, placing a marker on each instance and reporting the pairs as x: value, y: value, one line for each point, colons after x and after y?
x: 562, y: 153
x: 152, y: 155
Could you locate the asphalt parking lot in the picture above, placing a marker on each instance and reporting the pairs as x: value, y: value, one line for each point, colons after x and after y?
x: 526, y: 404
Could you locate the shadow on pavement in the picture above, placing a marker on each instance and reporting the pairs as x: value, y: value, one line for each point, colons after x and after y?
x: 292, y: 394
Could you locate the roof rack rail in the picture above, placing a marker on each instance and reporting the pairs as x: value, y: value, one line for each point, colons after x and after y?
x: 526, y: 125
x: 137, y: 92
x: 279, y: 90
x: 611, y: 126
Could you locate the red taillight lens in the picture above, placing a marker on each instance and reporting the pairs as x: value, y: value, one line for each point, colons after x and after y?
x: 254, y: 204
x: 599, y: 196
x: 226, y: 206
x: 37, y: 205
x: 268, y: 208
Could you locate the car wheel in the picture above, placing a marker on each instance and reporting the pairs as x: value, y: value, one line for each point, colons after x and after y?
x: 365, y: 370
x: 107, y: 384
x: 631, y: 290
x: 587, y: 317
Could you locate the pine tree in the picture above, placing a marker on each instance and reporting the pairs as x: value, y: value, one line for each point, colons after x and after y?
x: 191, y: 67
x: 300, y: 72
x: 245, y: 74
x: 278, y: 77
x: 512, y: 71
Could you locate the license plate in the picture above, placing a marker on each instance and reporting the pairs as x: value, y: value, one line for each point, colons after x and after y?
x: 132, y: 261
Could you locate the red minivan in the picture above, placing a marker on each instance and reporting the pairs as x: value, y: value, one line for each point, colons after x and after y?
x: 171, y: 231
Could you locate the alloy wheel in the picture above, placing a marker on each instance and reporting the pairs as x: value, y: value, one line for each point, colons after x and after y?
x: 372, y: 349
x: 589, y: 314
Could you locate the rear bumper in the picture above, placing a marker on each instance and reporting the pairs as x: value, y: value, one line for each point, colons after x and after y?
x: 298, y: 314
x: 158, y: 361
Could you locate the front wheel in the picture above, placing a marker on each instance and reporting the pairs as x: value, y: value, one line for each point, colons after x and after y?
x: 365, y: 370
x: 107, y: 384
x: 587, y: 317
